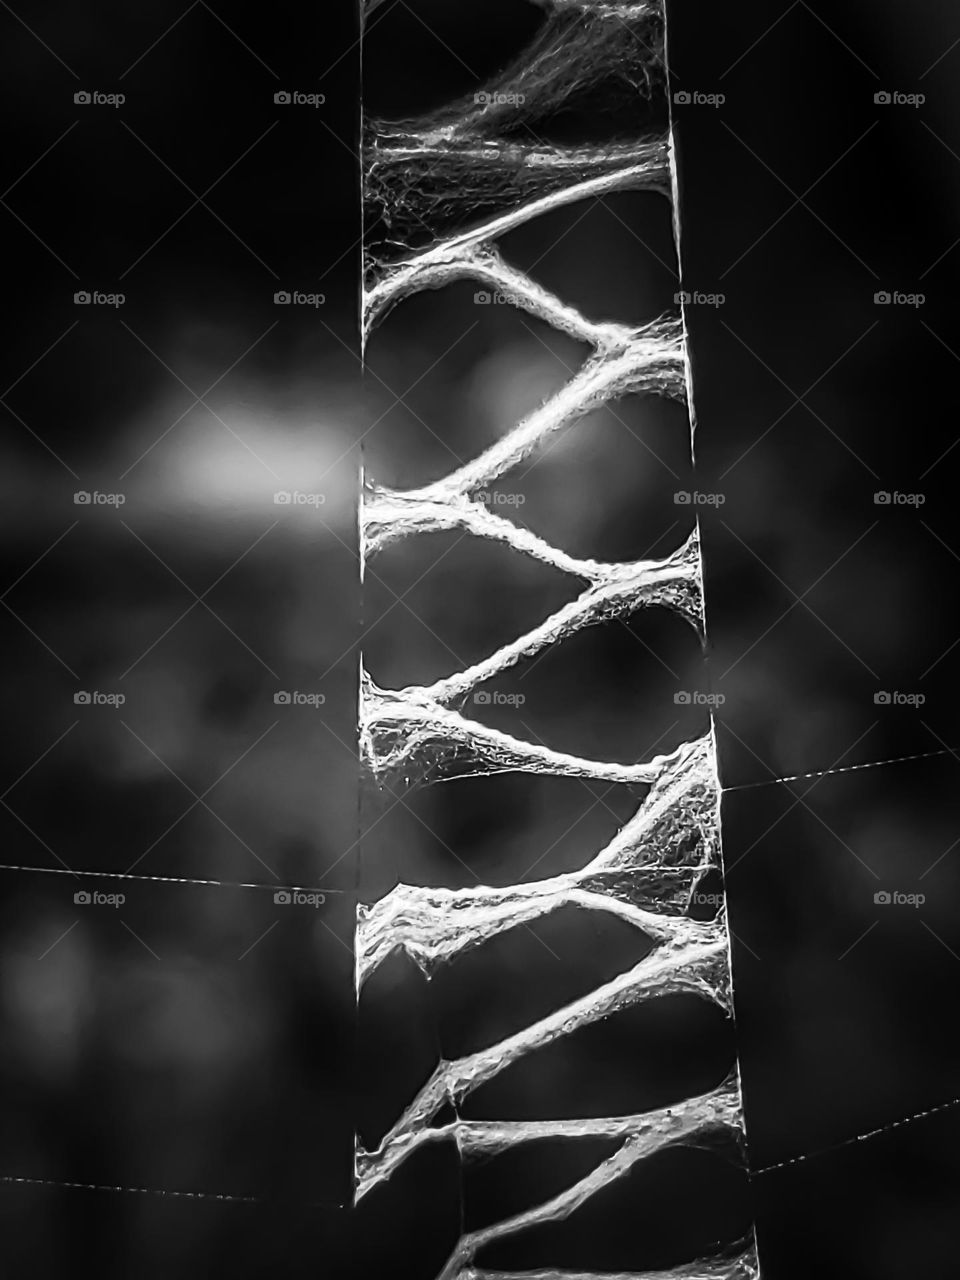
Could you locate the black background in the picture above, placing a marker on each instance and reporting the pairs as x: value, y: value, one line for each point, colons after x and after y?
x: 200, y: 1053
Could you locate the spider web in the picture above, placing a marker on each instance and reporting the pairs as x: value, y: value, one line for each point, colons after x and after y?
x: 440, y: 192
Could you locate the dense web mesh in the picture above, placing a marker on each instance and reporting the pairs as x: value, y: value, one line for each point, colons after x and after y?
x: 486, y: 154
x: 439, y: 193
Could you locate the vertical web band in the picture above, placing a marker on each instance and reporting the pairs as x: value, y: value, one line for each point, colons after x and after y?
x: 439, y: 193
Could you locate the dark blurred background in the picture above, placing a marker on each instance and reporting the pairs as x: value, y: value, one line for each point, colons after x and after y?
x: 199, y: 1037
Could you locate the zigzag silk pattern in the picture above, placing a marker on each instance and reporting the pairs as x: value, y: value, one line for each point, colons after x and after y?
x: 444, y: 190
